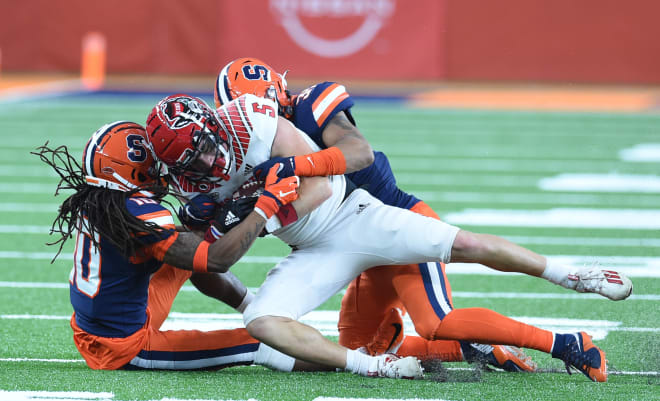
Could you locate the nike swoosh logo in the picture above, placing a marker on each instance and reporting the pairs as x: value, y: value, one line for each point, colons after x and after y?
x: 309, y: 159
x: 397, y: 331
x: 283, y: 194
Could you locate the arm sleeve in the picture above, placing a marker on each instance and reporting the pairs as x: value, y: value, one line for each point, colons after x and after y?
x: 316, y: 105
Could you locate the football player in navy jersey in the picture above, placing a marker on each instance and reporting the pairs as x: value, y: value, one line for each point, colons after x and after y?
x: 371, y: 302
x: 130, y: 262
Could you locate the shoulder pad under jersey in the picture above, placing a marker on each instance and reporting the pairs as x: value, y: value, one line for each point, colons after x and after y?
x: 260, y: 116
x: 315, y: 106
x: 253, y: 131
x: 150, y: 210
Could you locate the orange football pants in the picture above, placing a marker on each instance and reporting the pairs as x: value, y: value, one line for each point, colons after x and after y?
x: 424, y: 291
x: 151, y: 348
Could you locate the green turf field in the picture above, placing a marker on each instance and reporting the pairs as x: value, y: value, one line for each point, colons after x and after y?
x: 580, y: 187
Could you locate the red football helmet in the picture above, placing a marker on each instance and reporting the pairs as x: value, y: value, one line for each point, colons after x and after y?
x: 250, y: 75
x: 118, y: 156
x: 181, y: 128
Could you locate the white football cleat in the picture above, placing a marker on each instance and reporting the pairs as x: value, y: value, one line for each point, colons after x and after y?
x: 394, y: 367
x: 608, y: 283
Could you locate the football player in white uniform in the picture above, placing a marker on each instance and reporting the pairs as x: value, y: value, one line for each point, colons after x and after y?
x: 339, y: 231
x: 370, y: 315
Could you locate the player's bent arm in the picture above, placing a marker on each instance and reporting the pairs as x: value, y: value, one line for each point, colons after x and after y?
x: 190, y: 252
x: 330, y: 161
x: 342, y: 134
x: 312, y: 192
x: 289, y: 141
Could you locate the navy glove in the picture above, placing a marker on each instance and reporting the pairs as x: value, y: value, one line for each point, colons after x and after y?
x: 198, y: 212
x: 230, y: 215
x: 287, y: 169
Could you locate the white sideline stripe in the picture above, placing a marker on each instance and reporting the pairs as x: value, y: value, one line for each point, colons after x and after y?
x: 54, y: 396
x: 642, y: 152
x: 455, y: 294
x: 559, y: 217
x: 612, y: 182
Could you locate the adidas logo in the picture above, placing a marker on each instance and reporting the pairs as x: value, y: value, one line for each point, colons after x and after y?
x: 231, y: 219
x: 361, y: 207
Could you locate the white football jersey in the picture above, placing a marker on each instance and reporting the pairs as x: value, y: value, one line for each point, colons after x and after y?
x: 252, y: 125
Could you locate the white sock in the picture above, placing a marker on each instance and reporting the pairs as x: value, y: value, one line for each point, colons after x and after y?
x: 245, y: 302
x: 273, y: 359
x: 357, y: 362
x: 557, y: 273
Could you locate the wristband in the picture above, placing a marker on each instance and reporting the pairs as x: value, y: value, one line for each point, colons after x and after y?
x: 272, y: 224
x: 287, y: 214
x: 212, y: 233
x: 201, y: 258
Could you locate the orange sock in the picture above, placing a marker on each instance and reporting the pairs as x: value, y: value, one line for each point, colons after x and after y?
x: 423, y: 349
x: 488, y: 327
x: 330, y: 161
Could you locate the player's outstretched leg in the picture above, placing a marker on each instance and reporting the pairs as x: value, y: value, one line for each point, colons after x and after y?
x: 608, y: 283
x: 390, y: 336
x: 503, y: 255
x: 505, y: 357
x: 577, y: 351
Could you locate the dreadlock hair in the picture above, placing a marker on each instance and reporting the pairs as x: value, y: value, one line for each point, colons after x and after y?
x: 95, y: 209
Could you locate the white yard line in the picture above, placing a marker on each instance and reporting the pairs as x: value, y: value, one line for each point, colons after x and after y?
x: 326, y: 323
x: 632, y: 266
x: 519, y: 239
x: 639, y: 219
x: 611, y: 182
x: 455, y: 294
x: 642, y: 152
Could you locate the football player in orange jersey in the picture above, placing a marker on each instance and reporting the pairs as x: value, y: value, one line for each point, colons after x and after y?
x: 123, y: 237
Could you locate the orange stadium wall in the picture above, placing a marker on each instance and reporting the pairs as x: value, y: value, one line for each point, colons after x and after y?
x: 510, y: 40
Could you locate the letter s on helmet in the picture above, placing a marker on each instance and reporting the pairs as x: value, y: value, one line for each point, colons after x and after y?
x: 180, y: 128
x: 251, y: 75
x: 118, y: 156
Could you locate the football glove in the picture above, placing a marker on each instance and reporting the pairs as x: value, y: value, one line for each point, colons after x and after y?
x: 288, y: 168
x: 278, y: 191
x: 198, y: 212
x: 229, y: 215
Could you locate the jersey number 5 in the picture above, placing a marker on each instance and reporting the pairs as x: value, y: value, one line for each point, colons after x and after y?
x: 263, y: 109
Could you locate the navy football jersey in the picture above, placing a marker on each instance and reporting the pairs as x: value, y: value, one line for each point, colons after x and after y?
x: 109, y: 292
x: 314, y: 107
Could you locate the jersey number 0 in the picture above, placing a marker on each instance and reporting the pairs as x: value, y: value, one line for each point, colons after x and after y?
x: 86, y: 272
